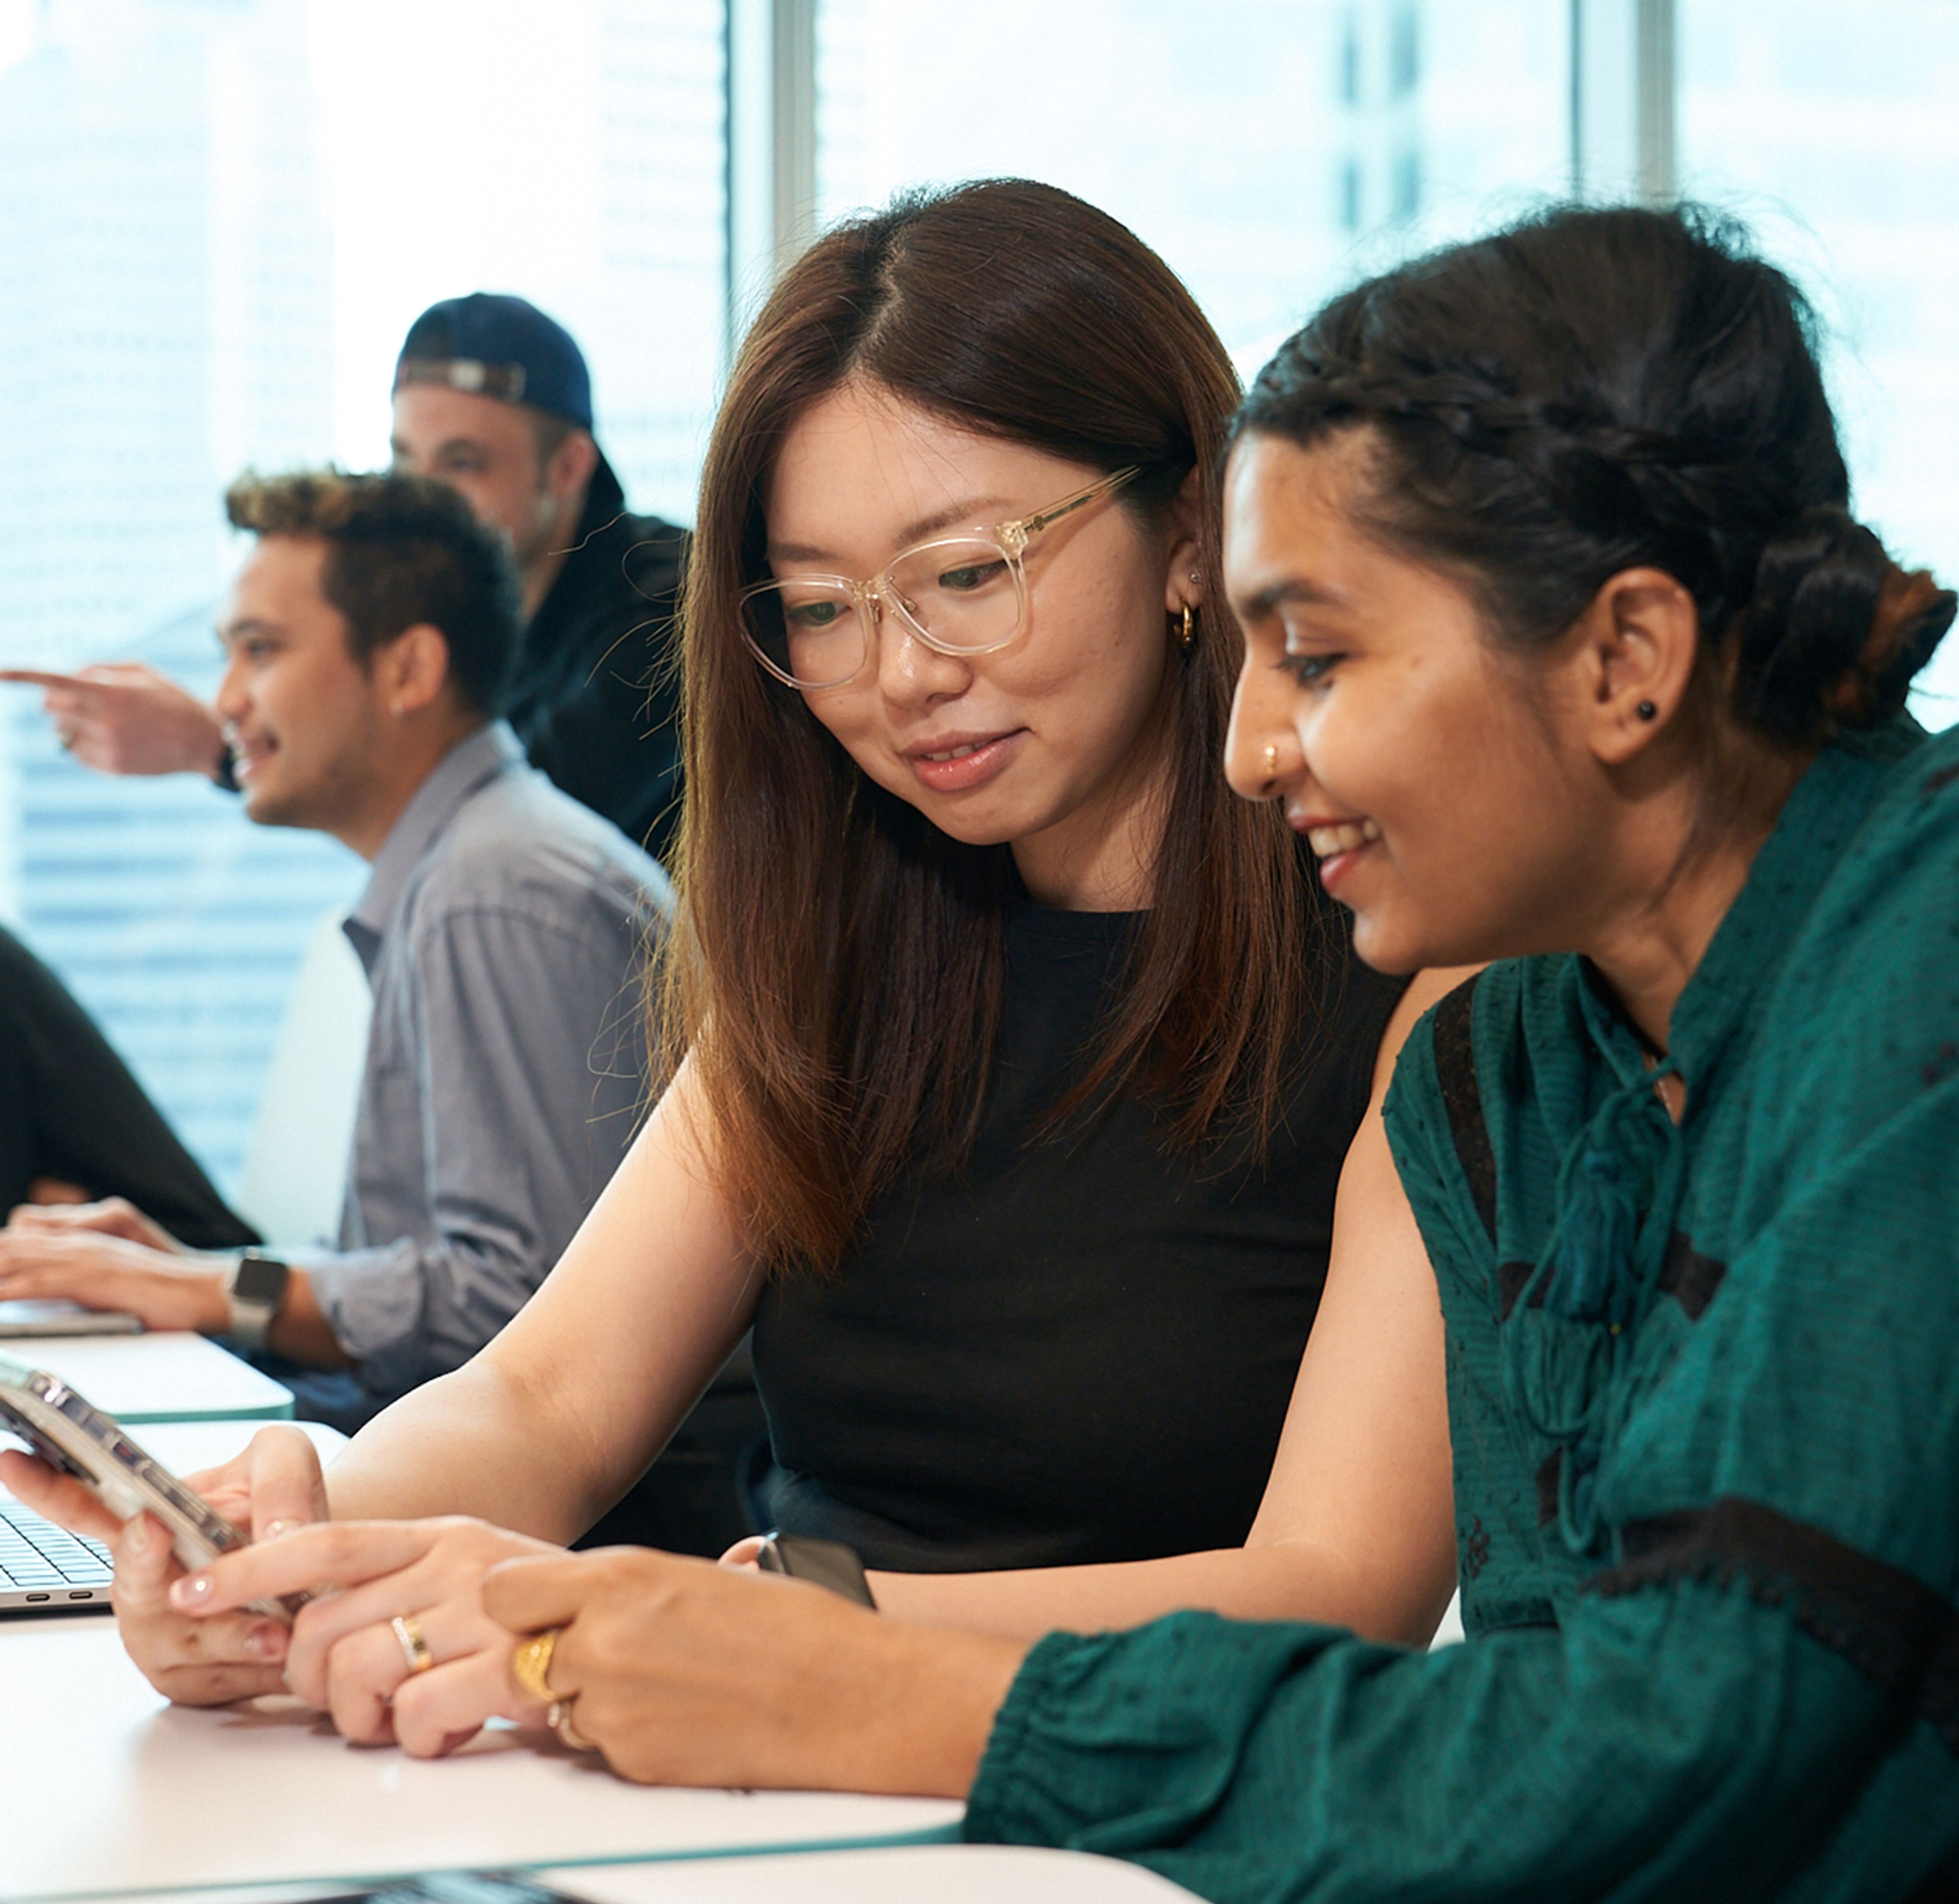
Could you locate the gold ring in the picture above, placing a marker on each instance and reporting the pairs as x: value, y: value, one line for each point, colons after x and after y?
x: 559, y: 1719
x: 1271, y: 761
x: 415, y: 1648
x: 530, y: 1664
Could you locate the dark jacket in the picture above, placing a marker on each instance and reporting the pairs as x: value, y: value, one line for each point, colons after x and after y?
x: 69, y: 1109
x: 593, y: 693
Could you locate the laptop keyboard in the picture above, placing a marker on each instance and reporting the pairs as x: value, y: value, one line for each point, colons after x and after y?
x: 35, y: 1555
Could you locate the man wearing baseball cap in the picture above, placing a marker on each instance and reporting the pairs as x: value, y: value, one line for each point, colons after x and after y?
x: 493, y: 397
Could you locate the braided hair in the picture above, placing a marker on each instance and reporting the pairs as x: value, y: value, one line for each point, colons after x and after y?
x: 1593, y: 390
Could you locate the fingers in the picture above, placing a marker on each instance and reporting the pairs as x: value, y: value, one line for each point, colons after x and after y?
x: 375, y: 1695
x: 282, y: 1473
x: 38, y: 678
x: 55, y: 1190
x: 194, y: 1663
x: 329, y: 1553
x: 528, y: 1595
x: 442, y: 1587
x: 111, y: 1216
x: 435, y: 1711
x: 60, y: 1497
x: 336, y: 1620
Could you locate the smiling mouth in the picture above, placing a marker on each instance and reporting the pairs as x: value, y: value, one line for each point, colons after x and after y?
x: 957, y: 752
x: 1327, y: 841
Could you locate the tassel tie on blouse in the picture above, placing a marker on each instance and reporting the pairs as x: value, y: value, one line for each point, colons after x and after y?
x: 1569, y: 1336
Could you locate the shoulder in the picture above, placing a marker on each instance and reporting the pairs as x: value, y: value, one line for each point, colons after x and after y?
x: 519, y: 846
x: 1897, y: 872
x: 631, y: 566
x: 1869, y: 993
x: 1467, y: 1072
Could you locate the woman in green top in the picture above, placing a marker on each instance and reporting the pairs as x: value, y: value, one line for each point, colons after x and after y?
x: 1561, y: 648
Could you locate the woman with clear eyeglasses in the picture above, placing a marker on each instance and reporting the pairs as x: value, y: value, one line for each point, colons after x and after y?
x: 1016, y: 1066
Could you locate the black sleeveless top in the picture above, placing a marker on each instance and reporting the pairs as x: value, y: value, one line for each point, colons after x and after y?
x: 1075, y: 1349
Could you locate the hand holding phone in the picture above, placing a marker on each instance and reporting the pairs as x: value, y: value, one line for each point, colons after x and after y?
x: 74, y: 1438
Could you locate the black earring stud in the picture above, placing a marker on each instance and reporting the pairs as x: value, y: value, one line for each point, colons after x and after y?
x: 1646, y: 711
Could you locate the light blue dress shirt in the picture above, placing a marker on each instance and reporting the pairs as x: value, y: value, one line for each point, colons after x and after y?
x: 505, y: 930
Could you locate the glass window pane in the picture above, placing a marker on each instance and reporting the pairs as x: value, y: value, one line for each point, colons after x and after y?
x: 1269, y: 149
x: 218, y: 217
x: 1831, y: 128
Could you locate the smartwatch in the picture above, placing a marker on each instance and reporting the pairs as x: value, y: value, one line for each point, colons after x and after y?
x: 254, y: 1292
x: 825, y: 1563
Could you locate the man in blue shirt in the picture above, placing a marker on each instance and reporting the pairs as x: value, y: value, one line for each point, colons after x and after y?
x: 493, y: 397
x: 503, y: 930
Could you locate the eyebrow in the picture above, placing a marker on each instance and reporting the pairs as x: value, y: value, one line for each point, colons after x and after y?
x: 914, y: 531
x: 1294, y: 589
x: 246, y: 625
x: 398, y: 448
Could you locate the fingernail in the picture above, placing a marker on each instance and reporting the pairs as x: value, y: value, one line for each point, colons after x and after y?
x: 268, y: 1641
x: 139, y: 1537
x: 274, y: 1529
x: 193, y: 1590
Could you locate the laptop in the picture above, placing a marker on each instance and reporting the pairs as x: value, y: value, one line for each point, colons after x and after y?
x: 25, y: 1317
x: 44, y: 1569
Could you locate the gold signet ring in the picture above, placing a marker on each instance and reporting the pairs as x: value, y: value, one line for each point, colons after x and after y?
x: 530, y: 1664
x: 415, y: 1648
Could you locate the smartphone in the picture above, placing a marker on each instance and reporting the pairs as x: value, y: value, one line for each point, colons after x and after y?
x: 827, y: 1563
x: 75, y: 1439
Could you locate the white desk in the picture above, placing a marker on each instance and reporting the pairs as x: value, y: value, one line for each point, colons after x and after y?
x: 107, y: 1788
x: 172, y: 1377
x: 943, y: 1874
x: 893, y: 1874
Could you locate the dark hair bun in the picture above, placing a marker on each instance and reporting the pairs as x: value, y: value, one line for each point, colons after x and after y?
x: 1597, y: 390
x: 1802, y: 633
x: 1834, y: 632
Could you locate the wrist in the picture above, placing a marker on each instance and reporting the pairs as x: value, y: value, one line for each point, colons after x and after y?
x: 946, y: 1688
x: 214, y: 1309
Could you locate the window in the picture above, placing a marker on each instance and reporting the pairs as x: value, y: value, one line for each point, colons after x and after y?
x: 219, y: 217
x: 1831, y: 129
x: 1251, y: 141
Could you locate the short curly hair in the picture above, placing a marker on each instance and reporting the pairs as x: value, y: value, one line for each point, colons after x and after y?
x: 401, y: 550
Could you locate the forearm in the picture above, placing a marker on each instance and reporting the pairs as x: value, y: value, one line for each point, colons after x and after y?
x: 1682, y: 1743
x: 474, y: 1441
x: 1284, y: 1580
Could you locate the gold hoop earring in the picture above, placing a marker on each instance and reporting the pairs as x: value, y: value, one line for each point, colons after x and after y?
x: 1187, y: 634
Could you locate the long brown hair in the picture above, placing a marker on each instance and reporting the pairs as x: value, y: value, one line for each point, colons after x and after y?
x: 836, y: 971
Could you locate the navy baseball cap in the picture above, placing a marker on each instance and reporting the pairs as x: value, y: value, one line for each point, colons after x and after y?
x: 494, y: 345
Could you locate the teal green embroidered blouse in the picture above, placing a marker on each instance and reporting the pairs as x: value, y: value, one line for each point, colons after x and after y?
x: 1704, y: 1403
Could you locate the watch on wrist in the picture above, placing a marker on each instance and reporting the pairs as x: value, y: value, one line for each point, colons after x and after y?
x: 254, y: 1292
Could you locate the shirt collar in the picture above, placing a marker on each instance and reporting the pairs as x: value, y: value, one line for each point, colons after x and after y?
x: 473, y: 761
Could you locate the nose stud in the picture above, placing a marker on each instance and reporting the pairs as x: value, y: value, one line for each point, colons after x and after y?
x: 1272, y: 762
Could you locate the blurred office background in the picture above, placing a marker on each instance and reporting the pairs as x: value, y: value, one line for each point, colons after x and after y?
x: 217, y: 217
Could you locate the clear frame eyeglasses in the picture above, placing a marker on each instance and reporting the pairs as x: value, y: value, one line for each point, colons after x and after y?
x: 959, y: 595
